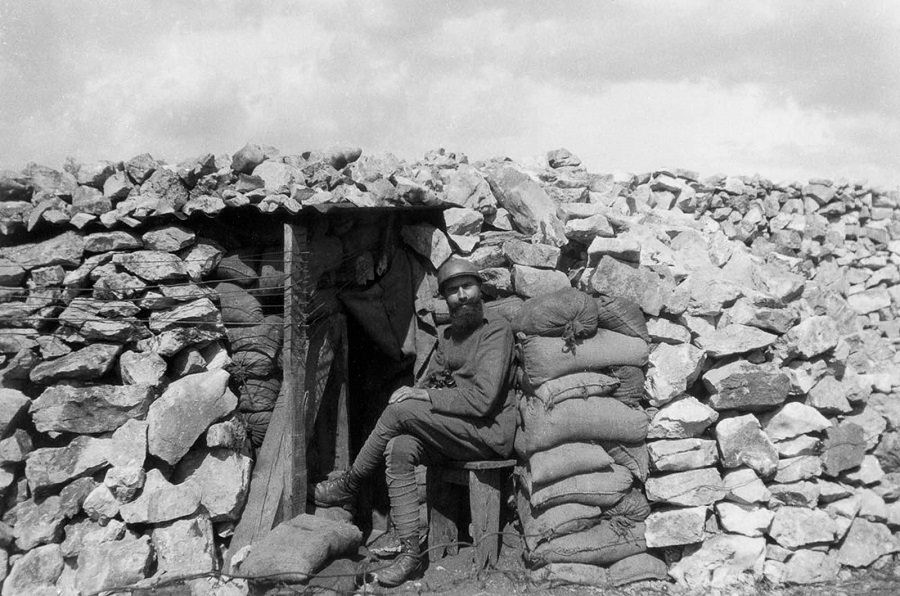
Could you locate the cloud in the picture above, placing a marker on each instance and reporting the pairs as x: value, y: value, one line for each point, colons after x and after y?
x: 775, y: 87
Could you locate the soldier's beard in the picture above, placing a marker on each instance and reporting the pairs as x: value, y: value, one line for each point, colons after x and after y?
x: 465, y: 318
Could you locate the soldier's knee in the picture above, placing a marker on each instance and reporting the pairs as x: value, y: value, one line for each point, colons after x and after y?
x: 402, y: 449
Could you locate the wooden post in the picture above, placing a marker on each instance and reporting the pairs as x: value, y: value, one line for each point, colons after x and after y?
x: 294, y: 355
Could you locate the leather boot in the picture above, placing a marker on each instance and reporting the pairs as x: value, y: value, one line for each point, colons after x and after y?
x: 407, y: 562
x: 337, y: 492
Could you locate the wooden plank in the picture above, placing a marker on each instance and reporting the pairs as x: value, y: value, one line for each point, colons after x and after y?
x: 443, y: 509
x: 266, y: 484
x: 296, y: 301
x: 342, y: 432
x: 484, y: 503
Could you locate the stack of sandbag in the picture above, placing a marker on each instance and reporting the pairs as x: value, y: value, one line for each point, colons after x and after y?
x: 581, y: 433
x: 254, y: 338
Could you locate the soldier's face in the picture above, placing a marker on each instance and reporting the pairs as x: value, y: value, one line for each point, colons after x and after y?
x: 462, y: 291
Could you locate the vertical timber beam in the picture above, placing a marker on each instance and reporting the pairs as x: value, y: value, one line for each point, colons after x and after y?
x: 294, y: 354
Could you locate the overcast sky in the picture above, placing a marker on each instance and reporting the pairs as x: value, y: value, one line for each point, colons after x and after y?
x: 787, y: 89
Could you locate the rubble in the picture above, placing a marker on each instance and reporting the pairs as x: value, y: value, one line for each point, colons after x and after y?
x: 771, y: 310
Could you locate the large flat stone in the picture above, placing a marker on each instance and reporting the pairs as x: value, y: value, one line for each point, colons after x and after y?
x: 160, y: 501
x: 735, y: 339
x: 13, y: 404
x: 829, y: 396
x: 530, y: 281
x: 743, y: 443
x: 540, y: 256
x: 221, y: 476
x: 801, y: 467
x: 184, y: 546
x: 865, y: 543
x: 532, y: 210
x: 744, y: 386
x: 428, y: 241
x: 90, y: 410
x: 793, y: 527
x: 154, y: 266
x: 721, y: 561
x: 673, y: 368
x: 745, y: 487
x: 811, y: 337
x: 107, y: 565
x: 88, y: 363
x: 638, y: 284
x: 65, y: 249
x: 37, y: 522
x: 678, y: 455
x: 689, y: 489
x: 812, y: 567
x: 35, y: 572
x: 792, y: 420
x: 681, y: 419
x: 673, y: 527
x: 748, y: 520
x: 186, y: 409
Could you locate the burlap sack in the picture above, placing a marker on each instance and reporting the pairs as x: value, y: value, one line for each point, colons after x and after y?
x: 568, y: 459
x: 546, y: 358
x: 566, y: 313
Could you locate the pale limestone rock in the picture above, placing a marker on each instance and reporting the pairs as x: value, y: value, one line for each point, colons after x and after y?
x: 672, y: 527
x: 794, y: 419
x: 101, y: 505
x: 735, y: 339
x: 107, y: 565
x: 691, y: 488
x: 829, y: 396
x: 742, y: 442
x: 530, y: 282
x: 801, y: 467
x: 682, y: 454
x: 865, y: 543
x: 681, y: 419
x: 137, y: 368
x: 797, y: 494
x: 748, y: 520
x: 170, y: 238
x: 153, y: 266
x: 800, y: 445
x: 539, y: 256
x: 811, y: 337
x: 794, y: 527
x: 35, y: 572
x: 186, y: 409
x: 161, y: 501
x: 90, y: 410
x: 664, y: 331
x: 812, y: 567
x: 721, y: 561
x: 184, y: 546
x: 222, y: 478
x: 673, y: 368
x: 868, y: 473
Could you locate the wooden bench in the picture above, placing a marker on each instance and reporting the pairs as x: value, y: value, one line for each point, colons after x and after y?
x: 485, y: 481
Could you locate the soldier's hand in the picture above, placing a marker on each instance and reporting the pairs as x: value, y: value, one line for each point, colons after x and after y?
x: 404, y: 393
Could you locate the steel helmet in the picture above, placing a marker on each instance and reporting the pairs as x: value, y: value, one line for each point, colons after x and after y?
x: 453, y: 268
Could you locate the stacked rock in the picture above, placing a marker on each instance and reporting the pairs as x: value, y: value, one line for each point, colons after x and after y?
x: 583, y: 448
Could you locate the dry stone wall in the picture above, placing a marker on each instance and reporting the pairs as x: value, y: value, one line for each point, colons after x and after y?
x: 772, y: 385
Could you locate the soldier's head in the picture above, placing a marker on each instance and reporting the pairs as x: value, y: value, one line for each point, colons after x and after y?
x: 460, y: 284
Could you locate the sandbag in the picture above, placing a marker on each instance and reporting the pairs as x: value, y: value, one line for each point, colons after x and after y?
x: 545, y: 358
x: 572, y: 573
x: 621, y: 315
x: 567, y: 313
x: 238, y: 268
x: 258, y: 395
x: 589, y: 420
x: 602, y: 489
x: 265, y: 337
x: 609, y: 541
x: 568, y: 459
x: 634, y: 506
x: 250, y: 364
x: 297, y: 548
x: 508, y: 307
x: 257, y: 423
x: 540, y: 525
x: 631, y: 384
x: 574, y: 386
x: 634, y: 456
x: 238, y: 306
x: 636, y: 568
